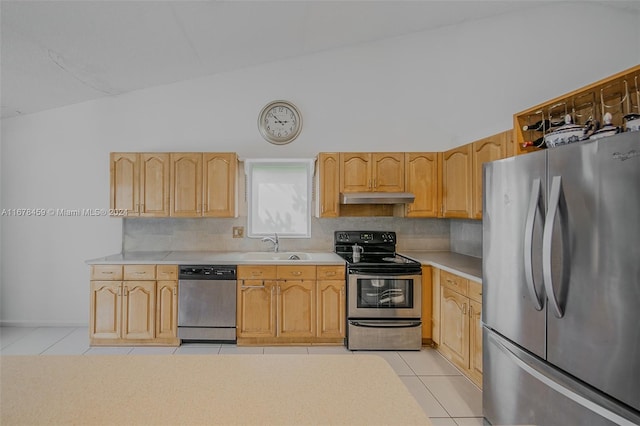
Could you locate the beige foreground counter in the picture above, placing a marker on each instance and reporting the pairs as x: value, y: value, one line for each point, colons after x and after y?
x: 204, y: 389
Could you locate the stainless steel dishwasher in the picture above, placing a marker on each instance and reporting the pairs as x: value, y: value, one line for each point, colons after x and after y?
x: 207, y: 303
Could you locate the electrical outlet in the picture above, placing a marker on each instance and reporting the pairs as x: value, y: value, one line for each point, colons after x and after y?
x: 238, y: 231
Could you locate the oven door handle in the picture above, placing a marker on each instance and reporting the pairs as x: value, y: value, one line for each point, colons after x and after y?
x: 381, y: 275
x: 386, y: 324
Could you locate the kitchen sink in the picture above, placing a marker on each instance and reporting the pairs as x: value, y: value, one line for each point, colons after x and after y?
x: 286, y: 256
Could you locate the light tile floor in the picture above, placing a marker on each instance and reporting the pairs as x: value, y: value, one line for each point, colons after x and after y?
x: 447, y: 396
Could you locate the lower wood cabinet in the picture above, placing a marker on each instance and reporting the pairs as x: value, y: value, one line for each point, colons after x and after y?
x: 125, y: 311
x: 427, y: 305
x: 288, y: 304
x: 460, y: 334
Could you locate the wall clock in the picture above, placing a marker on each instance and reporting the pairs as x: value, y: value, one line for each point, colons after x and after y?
x: 280, y: 122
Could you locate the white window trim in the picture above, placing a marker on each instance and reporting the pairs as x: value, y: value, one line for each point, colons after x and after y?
x: 309, y: 163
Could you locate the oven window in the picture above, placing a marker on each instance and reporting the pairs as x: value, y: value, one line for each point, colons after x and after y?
x: 385, y: 293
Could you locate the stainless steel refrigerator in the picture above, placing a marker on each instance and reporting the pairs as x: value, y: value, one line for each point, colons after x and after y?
x: 561, y: 285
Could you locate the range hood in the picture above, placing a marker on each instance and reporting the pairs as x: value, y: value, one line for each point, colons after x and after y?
x: 376, y: 197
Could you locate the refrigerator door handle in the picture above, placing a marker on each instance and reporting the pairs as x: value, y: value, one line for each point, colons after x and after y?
x: 535, y: 206
x: 531, y: 369
x: 547, y: 235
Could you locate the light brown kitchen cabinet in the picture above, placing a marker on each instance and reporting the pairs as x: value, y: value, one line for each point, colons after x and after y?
x: 422, y: 178
x: 435, y: 298
x: 256, y: 310
x: 427, y: 305
x: 485, y: 150
x: 186, y: 184
x: 460, y: 326
x: 456, y: 182
x: 140, y: 183
x: 331, y: 302
x: 219, y: 184
x: 129, y: 307
x: 372, y: 172
x: 328, y: 193
x: 296, y: 308
x: 289, y: 304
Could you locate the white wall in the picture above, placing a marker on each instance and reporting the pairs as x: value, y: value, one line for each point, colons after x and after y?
x: 424, y: 92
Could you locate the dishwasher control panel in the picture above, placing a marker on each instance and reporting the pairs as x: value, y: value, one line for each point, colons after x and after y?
x: 207, y: 272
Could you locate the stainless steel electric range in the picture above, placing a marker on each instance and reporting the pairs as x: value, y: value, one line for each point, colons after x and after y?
x: 384, y: 292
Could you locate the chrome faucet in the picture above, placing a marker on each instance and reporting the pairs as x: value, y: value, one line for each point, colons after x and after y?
x: 274, y: 240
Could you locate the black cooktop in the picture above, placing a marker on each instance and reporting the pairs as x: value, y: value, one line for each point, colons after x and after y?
x: 378, y: 250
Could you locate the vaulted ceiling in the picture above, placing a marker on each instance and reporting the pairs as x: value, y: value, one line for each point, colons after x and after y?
x: 56, y: 53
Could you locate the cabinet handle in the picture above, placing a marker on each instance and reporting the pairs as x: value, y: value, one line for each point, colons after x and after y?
x: 256, y: 273
x: 369, y: 183
x: 175, y: 291
x: 107, y: 272
x: 244, y: 287
x: 375, y: 183
x: 464, y: 309
x: 331, y: 273
x: 296, y: 273
x: 139, y: 272
x: 125, y: 291
x: 470, y: 311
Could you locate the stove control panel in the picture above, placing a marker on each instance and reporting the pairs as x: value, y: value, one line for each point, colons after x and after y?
x: 365, y: 237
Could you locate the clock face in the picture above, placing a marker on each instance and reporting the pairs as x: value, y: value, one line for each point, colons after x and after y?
x: 280, y: 122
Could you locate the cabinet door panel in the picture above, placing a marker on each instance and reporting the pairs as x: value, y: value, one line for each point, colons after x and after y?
x: 454, y: 328
x: 422, y: 180
x: 105, y: 310
x: 388, y: 172
x: 256, y: 308
x: 186, y: 184
x: 475, y: 342
x: 456, y: 182
x: 219, y: 185
x: 138, y: 309
x: 124, y: 174
x: 329, y: 184
x: 331, y: 308
x: 485, y: 150
x: 355, y: 172
x: 427, y: 302
x: 154, y: 184
x: 296, y: 309
x: 167, y: 309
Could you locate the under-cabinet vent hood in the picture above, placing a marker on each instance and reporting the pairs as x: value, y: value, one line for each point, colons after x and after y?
x: 376, y: 197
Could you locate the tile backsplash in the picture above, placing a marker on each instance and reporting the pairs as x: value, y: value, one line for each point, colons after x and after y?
x: 204, y: 234
x: 466, y: 237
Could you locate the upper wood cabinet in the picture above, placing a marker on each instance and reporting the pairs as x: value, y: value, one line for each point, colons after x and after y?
x: 422, y: 178
x: 456, y: 182
x: 371, y: 172
x: 140, y: 183
x: 485, y: 150
x: 219, y: 184
x: 328, y: 181
x: 186, y: 184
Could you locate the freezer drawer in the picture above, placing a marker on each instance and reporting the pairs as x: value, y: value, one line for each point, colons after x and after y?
x: 519, y: 388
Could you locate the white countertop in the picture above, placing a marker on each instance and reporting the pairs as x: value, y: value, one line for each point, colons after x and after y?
x: 209, y: 257
x: 466, y: 266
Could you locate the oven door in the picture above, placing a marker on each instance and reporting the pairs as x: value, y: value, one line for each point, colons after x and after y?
x: 384, y: 296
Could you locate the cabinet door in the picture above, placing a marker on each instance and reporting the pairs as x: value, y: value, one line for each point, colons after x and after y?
x: 475, y: 342
x: 423, y: 180
x: 105, y: 309
x: 435, y: 294
x: 331, y: 308
x: 296, y: 308
x: 329, y: 185
x: 124, y: 175
x: 167, y: 309
x: 256, y: 308
x: 456, y: 182
x: 138, y: 309
x: 355, y: 172
x: 219, y: 185
x: 454, y: 327
x: 485, y: 150
x: 186, y: 184
x: 154, y: 185
x: 388, y: 172
x: 427, y: 304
